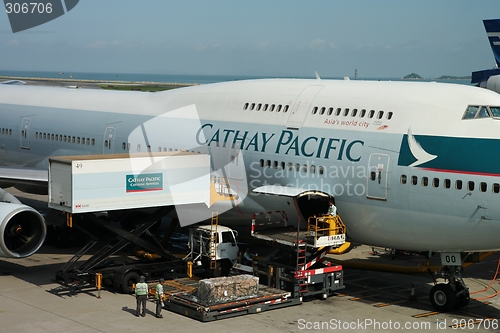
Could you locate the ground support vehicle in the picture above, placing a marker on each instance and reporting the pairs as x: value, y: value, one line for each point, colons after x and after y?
x: 293, y: 270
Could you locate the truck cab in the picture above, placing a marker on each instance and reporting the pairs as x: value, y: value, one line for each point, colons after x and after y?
x: 209, y: 244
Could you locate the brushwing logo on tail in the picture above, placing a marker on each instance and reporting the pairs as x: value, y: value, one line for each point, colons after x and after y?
x: 411, y: 152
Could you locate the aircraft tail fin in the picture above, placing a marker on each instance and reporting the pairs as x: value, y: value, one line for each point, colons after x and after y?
x: 492, y: 28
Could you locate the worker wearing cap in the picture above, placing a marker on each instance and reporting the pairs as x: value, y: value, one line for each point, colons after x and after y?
x: 159, y: 298
x: 141, y: 295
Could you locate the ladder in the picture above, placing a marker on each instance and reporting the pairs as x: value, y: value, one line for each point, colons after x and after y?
x: 301, y: 264
x: 214, y: 222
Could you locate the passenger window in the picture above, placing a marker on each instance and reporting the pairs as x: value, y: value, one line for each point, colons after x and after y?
x: 373, y: 175
x: 425, y: 181
x: 245, y: 106
x: 470, y: 186
x: 371, y: 113
x: 435, y: 182
x: 362, y: 113
x: 389, y: 115
x: 285, y: 109
x: 313, y: 169
x: 265, y: 107
x: 403, y: 179
x: 330, y: 111
x: 414, y: 180
x: 315, y: 110
x: 322, y: 110
x: 483, y: 187
x: 321, y: 170
x: 458, y: 185
x: 354, y: 112
x: 278, y: 109
x: 447, y: 183
x: 470, y: 112
x: 261, y: 163
x: 272, y: 108
x: 337, y: 112
x: 495, y: 188
x: 268, y: 163
x: 252, y: 106
x: 346, y: 112
x: 380, y: 114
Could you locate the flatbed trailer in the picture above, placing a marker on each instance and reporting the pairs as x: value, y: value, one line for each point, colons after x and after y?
x: 268, y: 298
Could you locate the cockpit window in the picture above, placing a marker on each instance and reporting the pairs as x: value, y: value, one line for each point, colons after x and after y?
x: 471, y: 112
x: 495, y: 111
x: 482, y: 113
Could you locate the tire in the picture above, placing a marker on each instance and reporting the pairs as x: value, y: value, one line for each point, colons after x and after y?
x: 129, y: 279
x: 443, y: 298
x: 464, y: 298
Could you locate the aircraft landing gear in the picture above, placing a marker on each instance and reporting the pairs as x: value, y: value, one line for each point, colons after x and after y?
x: 454, y: 294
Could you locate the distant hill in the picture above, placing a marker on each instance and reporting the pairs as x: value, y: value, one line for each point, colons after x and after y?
x: 412, y: 76
x: 451, y: 77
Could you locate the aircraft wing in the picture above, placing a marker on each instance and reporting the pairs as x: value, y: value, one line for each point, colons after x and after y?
x: 23, y: 176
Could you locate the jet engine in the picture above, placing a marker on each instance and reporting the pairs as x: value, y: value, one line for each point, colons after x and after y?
x: 493, y: 83
x: 22, y: 230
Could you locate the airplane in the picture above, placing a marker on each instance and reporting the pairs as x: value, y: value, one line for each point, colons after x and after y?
x: 490, y: 78
x: 410, y: 165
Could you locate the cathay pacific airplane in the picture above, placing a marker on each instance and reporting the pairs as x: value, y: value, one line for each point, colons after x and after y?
x: 410, y: 165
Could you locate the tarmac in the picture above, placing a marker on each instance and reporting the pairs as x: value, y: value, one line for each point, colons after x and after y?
x: 373, y: 300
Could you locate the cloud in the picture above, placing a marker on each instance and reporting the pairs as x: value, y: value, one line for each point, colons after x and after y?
x: 320, y: 44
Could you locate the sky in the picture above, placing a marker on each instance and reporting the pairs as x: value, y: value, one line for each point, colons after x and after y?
x: 379, y: 38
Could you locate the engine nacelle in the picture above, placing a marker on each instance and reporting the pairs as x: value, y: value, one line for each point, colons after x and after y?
x: 493, y: 83
x: 22, y: 230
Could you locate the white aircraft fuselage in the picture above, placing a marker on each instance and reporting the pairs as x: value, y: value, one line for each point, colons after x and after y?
x: 405, y: 169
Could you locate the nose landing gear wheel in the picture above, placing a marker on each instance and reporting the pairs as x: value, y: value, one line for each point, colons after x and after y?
x: 443, y: 297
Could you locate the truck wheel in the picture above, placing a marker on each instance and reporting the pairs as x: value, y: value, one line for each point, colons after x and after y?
x: 128, y: 281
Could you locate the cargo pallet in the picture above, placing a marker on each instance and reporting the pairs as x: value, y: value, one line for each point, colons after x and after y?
x: 267, y: 299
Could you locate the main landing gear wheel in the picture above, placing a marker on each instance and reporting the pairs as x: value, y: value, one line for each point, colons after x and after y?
x: 443, y: 297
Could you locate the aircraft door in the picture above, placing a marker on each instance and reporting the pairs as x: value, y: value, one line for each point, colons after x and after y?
x: 301, y: 107
x: 376, y: 187
x: 109, y: 140
x: 25, y: 137
x: 236, y: 165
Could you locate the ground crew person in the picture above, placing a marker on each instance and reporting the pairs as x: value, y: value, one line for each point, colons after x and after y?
x: 141, y: 295
x: 332, y: 210
x: 159, y: 298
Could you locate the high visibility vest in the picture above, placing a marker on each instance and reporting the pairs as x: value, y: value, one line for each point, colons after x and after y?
x: 141, y: 289
x: 159, y: 291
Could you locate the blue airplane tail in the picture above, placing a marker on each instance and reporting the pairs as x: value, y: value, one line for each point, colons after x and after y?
x: 492, y: 28
x: 493, y: 31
